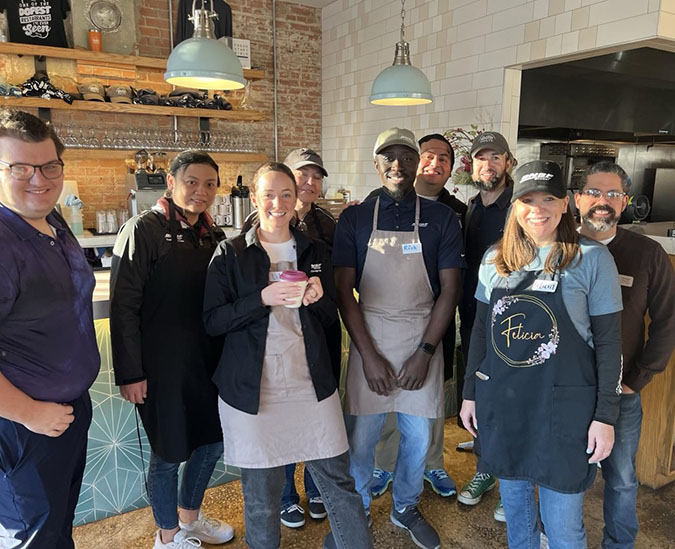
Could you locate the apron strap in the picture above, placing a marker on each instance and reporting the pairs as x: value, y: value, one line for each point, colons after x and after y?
x: 416, y: 226
x: 173, y: 225
x: 376, y: 212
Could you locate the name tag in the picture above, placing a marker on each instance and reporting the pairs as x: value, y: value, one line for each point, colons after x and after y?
x: 275, y: 276
x: 548, y: 286
x: 415, y: 248
x: 626, y: 281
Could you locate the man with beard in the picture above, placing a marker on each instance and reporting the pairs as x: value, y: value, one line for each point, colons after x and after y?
x: 647, y: 285
x: 433, y: 171
x: 406, y: 268
x: 485, y: 218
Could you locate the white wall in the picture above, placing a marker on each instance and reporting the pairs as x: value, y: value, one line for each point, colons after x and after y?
x: 471, y: 51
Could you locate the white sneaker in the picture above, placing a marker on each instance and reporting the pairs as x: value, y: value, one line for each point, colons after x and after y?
x: 209, y: 530
x: 180, y: 541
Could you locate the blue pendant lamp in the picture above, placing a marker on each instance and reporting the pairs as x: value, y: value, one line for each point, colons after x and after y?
x: 401, y: 84
x: 203, y: 62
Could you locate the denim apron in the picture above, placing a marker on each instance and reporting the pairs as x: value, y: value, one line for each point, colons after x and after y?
x: 536, y: 388
x: 396, y: 299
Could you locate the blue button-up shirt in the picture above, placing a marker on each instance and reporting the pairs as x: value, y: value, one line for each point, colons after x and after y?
x: 47, y: 342
x: 439, y: 230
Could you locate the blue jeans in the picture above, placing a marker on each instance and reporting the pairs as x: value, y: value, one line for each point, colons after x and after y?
x: 363, y: 433
x: 163, y: 483
x: 262, y: 492
x: 290, y: 495
x: 561, y: 514
x: 618, y: 470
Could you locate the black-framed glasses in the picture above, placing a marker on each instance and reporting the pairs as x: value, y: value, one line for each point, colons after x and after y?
x: 24, y: 172
x: 597, y: 193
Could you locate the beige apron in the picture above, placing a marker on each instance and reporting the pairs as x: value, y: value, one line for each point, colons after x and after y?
x: 396, y: 299
x: 291, y: 425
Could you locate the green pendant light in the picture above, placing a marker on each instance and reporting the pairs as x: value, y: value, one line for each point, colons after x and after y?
x: 401, y: 84
x: 202, y: 62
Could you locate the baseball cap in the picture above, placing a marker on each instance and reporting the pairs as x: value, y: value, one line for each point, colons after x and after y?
x: 490, y: 140
x: 119, y: 94
x: 539, y: 176
x: 298, y: 158
x: 395, y: 136
x: 92, y: 91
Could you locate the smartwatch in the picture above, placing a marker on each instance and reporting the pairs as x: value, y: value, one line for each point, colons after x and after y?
x: 427, y: 348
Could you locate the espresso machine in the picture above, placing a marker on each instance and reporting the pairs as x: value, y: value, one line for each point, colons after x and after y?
x: 144, y: 186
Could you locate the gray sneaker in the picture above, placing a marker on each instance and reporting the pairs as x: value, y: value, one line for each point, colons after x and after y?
x: 473, y: 492
x: 422, y: 533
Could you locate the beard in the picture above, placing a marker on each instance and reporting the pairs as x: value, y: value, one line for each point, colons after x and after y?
x: 491, y: 184
x: 601, y: 225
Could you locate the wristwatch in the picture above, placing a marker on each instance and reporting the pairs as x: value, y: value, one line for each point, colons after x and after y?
x: 427, y: 348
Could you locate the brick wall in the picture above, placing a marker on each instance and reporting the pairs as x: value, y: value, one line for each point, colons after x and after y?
x: 102, y: 182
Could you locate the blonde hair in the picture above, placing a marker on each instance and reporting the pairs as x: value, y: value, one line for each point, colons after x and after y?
x: 517, y: 249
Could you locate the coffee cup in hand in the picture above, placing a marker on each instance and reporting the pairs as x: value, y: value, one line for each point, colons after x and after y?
x: 300, y: 279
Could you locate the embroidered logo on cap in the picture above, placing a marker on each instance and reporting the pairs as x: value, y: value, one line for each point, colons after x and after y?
x: 537, y: 176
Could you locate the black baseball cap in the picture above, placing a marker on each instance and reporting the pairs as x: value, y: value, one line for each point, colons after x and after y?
x: 490, y: 140
x: 298, y: 158
x: 539, y: 176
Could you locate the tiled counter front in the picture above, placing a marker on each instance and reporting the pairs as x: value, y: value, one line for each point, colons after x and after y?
x: 114, y: 476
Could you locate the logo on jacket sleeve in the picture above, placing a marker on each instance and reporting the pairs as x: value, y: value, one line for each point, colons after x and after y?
x: 315, y: 268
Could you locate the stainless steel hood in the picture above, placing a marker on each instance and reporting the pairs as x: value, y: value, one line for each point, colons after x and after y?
x: 627, y: 96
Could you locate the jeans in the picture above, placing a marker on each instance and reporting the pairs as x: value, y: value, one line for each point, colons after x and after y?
x: 262, y: 492
x: 561, y: 514
x: 290, y: 496
x: 387, y: 447
x: 363, y: 433
x: 163, y: 483
x: 618, y: 470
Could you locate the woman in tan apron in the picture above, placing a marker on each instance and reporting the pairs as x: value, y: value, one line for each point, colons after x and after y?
x: 278, y: 399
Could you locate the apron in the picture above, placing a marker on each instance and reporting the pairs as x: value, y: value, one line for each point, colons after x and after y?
x: 536, y: 388
x: 181, y: 410
x: 396, y: 299
x: 291, y: 424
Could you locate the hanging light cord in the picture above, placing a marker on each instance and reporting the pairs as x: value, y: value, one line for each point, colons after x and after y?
x: 402, y: 20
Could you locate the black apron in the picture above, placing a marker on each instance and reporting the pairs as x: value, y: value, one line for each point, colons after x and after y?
x: 536, y: 389
x: 180, y: 413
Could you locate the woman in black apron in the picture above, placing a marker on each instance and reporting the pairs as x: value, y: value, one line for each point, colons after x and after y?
x: 543, y: 379
x: 163, y: 358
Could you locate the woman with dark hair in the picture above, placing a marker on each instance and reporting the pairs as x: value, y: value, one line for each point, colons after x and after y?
x: 544, y: 371
x: 270, y: 292
x: 162, y: 357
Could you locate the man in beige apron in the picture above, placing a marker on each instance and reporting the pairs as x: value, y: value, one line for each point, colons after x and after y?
x: 406, y: 268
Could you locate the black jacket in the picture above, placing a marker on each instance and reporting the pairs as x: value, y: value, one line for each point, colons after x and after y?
x: 238, y: 273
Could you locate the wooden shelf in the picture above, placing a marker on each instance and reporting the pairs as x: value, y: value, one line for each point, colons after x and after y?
x: 121, y: 154
x: 101, y: 57
x: 99, y: 106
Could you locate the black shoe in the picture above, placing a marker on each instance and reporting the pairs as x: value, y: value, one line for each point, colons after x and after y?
x: 422, y: 533
x: 293, y: 516
x: 316, y: 508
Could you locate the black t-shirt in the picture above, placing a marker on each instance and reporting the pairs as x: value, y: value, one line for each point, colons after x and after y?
x: 37, y: 21
x: 185, y: 28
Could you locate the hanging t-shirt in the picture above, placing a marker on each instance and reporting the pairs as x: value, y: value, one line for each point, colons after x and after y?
x: 185, y: 28
x: 37, y: 21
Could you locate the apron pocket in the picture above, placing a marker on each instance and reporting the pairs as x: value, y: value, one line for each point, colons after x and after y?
x: 485, y: 403
x: 572, y: 412
x: 274, y: 376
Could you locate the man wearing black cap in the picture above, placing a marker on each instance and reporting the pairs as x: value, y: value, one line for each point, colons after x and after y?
x: 403, y: 255
x: 491, y: 161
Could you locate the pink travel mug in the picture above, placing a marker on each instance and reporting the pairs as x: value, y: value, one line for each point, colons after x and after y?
x: 300, y: 279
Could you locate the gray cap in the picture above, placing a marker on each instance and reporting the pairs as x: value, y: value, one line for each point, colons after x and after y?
x: 539, y: 176
x: 119, y: 94
x: 298, y: 158
x: 395, y: 136
x: 490, y: 140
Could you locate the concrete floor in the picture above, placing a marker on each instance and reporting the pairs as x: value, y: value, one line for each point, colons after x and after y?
x: 457, y: 524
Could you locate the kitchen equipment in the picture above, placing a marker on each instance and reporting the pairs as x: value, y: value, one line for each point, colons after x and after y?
x: 146, y: 181
x: 160, y: 162
x: 575, y: 158
x: 638, y: 209
x: 141, y: 200
x: 659, y: 185
x: 241, y: 203
x: 141, y: 158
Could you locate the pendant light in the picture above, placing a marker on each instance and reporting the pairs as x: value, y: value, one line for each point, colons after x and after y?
x: 401, y: 84
x: 203, y: 62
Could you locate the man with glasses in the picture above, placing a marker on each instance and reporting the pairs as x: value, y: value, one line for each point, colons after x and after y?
x: 307, y: 167
x: 647, y: 285
x: 48, y: 352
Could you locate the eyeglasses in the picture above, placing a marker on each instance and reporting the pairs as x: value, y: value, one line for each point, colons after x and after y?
x: 597, y: 193
x: 24, y: 172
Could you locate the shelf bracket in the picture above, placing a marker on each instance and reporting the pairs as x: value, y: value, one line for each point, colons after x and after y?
x: 204, y: 130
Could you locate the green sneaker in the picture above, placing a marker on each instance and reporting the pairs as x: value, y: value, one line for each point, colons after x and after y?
x: 499, y: 512
x: 473, y: 492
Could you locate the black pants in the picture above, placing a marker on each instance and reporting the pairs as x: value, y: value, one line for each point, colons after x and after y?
x: 40, y: 480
